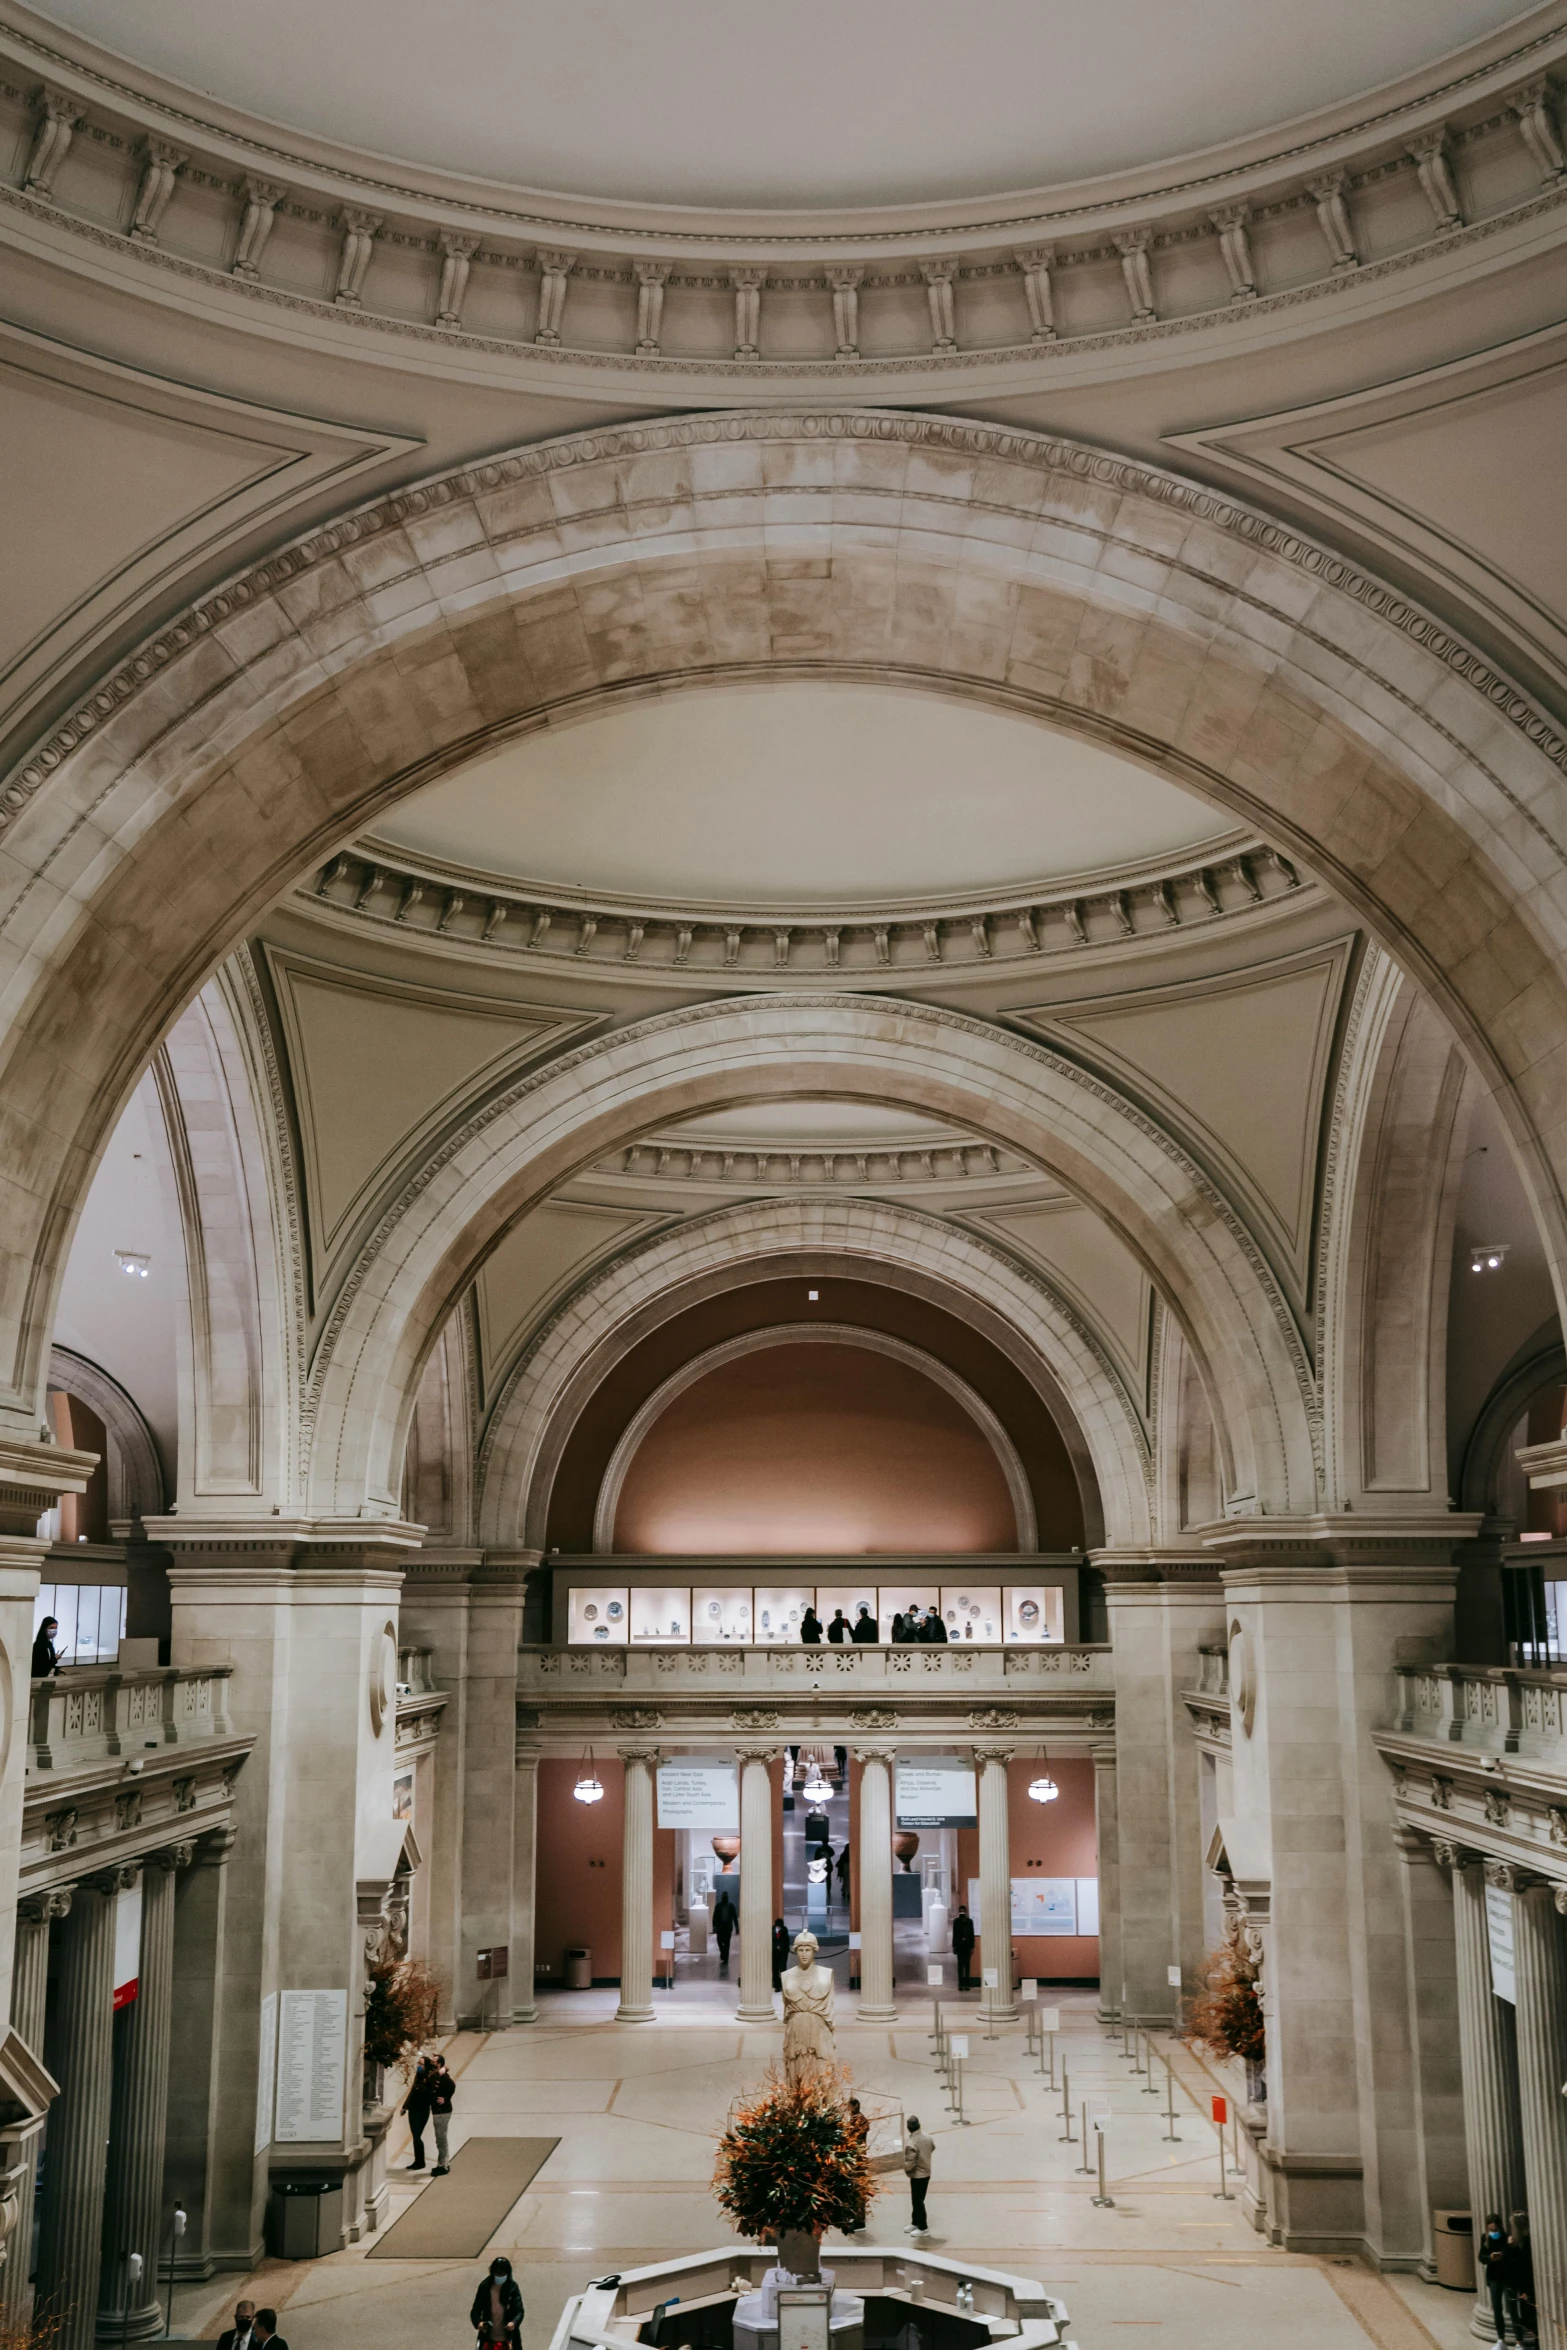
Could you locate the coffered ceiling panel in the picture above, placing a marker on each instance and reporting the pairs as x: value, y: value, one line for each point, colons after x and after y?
x: 378, y: 1068
x: 539, y: 1259
x: 1236, y: 1067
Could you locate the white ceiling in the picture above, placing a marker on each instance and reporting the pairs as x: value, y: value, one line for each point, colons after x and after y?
x: 801, y: 1123
x: 815, y: 795
x: 744, y: 102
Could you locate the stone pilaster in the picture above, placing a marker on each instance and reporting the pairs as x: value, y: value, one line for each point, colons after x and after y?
x: 636, y: 1891
x: 133, y: 2199
x: 873, y: 1869
x: 1540, y: 1963
x: 525, y: 1846
x: 1431, y: 1976
x: 201, y: 2158
x: 1493, y: 2131
x: 498, y: 1591
x: 995, y: 1879
x: 756, y: 1888
x: 1107, y: 1837
x: 29, y: 2000
x: 72, y: 2237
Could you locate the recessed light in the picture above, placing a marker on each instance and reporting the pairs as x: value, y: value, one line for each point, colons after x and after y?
x: 131, y: 1261
x: 812, y: 1295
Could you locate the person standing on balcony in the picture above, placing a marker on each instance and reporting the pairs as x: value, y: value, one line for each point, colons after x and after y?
x: 838, y: 1629
x: 46, y: 1657
x: 865, y: 1632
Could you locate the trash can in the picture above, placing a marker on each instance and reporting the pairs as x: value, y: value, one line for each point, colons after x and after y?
x: 1453, y: 2241
x: 579, y: 1970
x: 307, y: 2218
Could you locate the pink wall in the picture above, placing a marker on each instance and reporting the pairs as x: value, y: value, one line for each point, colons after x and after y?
x: 814, y: 1448
x: 1048, y: 1840
x: 579, y: 1866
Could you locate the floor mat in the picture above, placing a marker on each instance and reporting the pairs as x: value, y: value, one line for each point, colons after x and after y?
x: 455, y: 2217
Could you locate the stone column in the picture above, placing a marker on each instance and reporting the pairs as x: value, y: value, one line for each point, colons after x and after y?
x: 29, y: 1999
x: 200, y: 2116
x: 133, y: 2199
x: 995, y: 1880
x: 1492, y: 2129
x: 1540, y: 1961
x: 1107, y: 1838
x: 636, y: 1892
x: 756, y: 1888
x: 1431, y: 1974
x: 873, y: 1867
x: 525, y: 1843
x: 72, y: 2238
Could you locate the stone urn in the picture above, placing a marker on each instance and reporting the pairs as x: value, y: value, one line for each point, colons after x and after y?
x: 727, y: 1850
x: 905, y: 1844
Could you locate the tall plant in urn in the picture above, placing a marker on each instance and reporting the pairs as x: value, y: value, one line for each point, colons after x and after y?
x: 793, y: 2160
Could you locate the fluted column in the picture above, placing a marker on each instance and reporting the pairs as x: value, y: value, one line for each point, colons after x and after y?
x: 72, y: 2237
x: 1540, y: 1964
x: 1107, y: 1836
x: 133, y: 2199
x: 995, y: 1879
x: 756, y: 1888
x: 525, y: 1873
x: 1485, y: 2044
x: 29, y: 2000
x: 873, y: 1867
x: 636, y: 1892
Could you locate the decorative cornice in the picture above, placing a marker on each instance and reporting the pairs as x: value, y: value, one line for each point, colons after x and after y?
x: 753, y: 946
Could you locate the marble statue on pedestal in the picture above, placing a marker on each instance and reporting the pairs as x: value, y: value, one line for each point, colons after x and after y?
x: 810, y: 2033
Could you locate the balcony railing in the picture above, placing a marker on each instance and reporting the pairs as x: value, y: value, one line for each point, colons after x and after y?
x: 92, y: 1713
x: 794, y: 1671
x: 1496, y: 1709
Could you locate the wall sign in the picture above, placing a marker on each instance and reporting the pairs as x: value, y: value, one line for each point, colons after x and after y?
x: 127, y: 1945
x: 940, y: 1793
x: 705, y: 1796
x: 311, y: 2063
x: 266, y: 2084
x: 1044, y: 1905
x: 1499, y: 1932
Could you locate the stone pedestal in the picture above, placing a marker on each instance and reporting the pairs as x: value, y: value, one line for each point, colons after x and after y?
x: 636, y: 1892
x: 1540, y: 1960
x: 873, y: 1868
x: 995, y: 1882
x: 1492, y: 2129
x: 756, y: 1888
x: 72, y: 2236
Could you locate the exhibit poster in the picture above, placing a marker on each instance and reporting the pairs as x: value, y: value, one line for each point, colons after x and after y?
x: 939, y: 1791
x: 700, y: 1795
x: 311, y: 2060
x: 1044, y: 1905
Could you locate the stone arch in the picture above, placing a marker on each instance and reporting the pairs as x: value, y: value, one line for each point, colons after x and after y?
x: 265, y: 728
x: 133, y: 1470
x: 532, y: 1136
x: 647, y: 1415
x: 616, y: 1308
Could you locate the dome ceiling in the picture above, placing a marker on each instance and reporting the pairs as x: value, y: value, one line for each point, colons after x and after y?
x: 739, y: 103
x: 799, y: 796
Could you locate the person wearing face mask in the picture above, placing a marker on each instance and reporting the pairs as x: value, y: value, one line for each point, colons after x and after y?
x: 497, y: 2312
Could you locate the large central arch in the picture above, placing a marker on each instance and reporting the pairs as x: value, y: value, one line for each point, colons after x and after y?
x: 269, y: 725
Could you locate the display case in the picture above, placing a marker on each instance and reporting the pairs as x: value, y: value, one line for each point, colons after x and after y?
x: 779, y: 1607
x: 599, y: 1616
x: 1032, y: 1612
x: 832, y: 1596
x: 721, y: 1612
x: 896, y: 1599
x: 661, y: 1615
x: 972, y: 1611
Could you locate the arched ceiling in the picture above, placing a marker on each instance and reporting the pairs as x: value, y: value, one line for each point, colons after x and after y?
x: 799, y: 795
x: 739, y: 103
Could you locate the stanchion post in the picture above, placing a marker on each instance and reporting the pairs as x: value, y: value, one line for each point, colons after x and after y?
x: 1172, y: 2133
x: 1085, y: 2166
x: 1221, y: 2114
x: 1105, y: 2202
x: 1150, y: 2086
x: 1066, y: 2138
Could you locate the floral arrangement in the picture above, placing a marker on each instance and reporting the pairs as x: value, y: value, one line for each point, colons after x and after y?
x: 400, y: 2014
x: 1226, y: 2016
x: 793, y: 2157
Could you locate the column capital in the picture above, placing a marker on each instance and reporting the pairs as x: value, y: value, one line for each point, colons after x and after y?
x: 32, y: 1479
x: 1506, y: 1876
x: 1356, y: 1554
x: 37, y: 1909
x: 753, y: 1753
x: 117, y: 1879
x: 861, y: 1753
x: 993, y: 1754
x: 639, y: 1754
x: 213, y: 1850
x: 172, y: 1857
x: 1139, y: 1569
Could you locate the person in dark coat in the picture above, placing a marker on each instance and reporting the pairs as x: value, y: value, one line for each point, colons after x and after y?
x: 725, y: 1919
x: 46, y: 1657
x: 811, y: 1628
x: 497, y: 2312
x: 416, y: 2105
x: 838, y: 1629
x: 843, y: 1873
x: 265, y: 2334
x: 241, y: 2334
x: 963, y: 1947
x: 1518, y: 2280
x: 933, y: 1629
x: 780, y: 1952
x: 1491, y: 2259
x: 443, y: 2093
x: 865, y: 1632
x: 900, y: 1629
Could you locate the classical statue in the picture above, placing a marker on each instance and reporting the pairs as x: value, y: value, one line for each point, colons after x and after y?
x: 810, y: 2037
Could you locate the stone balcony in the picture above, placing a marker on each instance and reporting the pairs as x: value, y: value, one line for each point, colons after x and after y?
x: 1490, y: 1709
x: 89, y: 1715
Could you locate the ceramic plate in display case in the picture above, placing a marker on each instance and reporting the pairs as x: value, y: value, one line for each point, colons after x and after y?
x: 1032, y: 1612
x: 720, y: 1612
x: 599, y: 1617
x: 779, y: 1607
x: 896, y: 1600
x: 661, y: 1616
x: 972, y: 1611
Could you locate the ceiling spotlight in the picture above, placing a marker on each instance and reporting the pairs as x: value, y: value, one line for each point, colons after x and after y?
x: 129, y: 1261
x: 587, y: 1789
x: 1043, y: 1789
x: 1489, y: 1258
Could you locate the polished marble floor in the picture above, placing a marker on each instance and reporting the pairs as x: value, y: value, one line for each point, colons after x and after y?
x: 636, y: 2108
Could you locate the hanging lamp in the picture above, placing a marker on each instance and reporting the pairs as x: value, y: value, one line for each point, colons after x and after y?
x: 1043, y: 1789
x: 588, y: 1788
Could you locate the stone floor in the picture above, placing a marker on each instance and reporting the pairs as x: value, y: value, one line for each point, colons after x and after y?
x: 636, y: 2108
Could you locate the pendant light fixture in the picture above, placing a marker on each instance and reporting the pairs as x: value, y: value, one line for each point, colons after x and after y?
x: 1043, y: 1789
x: 588, y: 1788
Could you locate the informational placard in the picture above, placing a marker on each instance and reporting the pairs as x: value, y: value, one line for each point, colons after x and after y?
x: 266, y: 2081
x: 958, y: 2043
x: 700, y: 1795
x: 127, y: 1945
x: 1172, y: 1975
x: 666, y: 1939
x: 1087, y: 1904
x: 935, y: 1977
x: 990, y: 1978
x: 939, y: 1792
x: 804, y: 2317
x: 1050, y: 2019
x: 1044, y: 1905
x: 1028, y: 1989
x: 311, y: 2062
x: 1499, y: 1927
